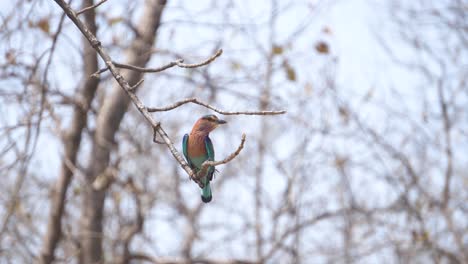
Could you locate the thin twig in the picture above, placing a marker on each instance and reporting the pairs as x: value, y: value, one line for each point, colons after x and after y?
x: 138, y: 69
x: 98, y: 73
x: 142, y: 69
x: 171, y: 64
x: 203, y: 63
x: 137, y: 84
x: 209, y: 163
x: 157, y: 127
x: 90, y: 7
x: 196, y: 101
x: 155, y: 134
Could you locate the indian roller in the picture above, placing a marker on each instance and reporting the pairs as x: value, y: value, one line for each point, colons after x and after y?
x: 197, y: 148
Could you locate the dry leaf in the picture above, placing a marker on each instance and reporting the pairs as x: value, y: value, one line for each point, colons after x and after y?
x: 277, y: 50
x: 290, y: 72
x: 43, y: 24
x: 322, y: 47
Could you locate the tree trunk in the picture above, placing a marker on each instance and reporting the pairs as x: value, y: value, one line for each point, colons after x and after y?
x: 71, y: 142
x: 108, y: 122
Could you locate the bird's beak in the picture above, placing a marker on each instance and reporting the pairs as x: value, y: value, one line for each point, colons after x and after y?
x: 220, y: 122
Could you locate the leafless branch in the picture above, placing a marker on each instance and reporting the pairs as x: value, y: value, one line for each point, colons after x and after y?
x: 137, y: 226
x: 155, y: 135
x: 209, y: 163
x: 198, y: 102
x: 171, y: 64
x: 137, y: 84
x: 150, y: 259
x: 299, y: 226
x: 203, y: 63
x: 448, y: 144
x: 90, y: 7
x: 166, y: 140
x: 140, y: 69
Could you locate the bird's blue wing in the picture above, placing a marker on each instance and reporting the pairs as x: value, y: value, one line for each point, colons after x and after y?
x: 211, y: 156
x: 184, y: 150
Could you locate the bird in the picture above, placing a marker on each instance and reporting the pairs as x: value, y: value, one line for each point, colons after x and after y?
x: 197, y: 148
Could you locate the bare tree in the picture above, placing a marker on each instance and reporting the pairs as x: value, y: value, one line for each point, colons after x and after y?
x: 96, y: 96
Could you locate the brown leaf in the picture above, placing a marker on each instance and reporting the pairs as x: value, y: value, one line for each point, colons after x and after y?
x: 277, y: 50
x: 322, y: 47
x: 290, y: 72
x: 43, y: 24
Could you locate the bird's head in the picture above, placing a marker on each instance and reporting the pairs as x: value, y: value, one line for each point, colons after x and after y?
x: 207, y: 123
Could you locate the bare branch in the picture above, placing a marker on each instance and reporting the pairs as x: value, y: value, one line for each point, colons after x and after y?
x: 137, y: 84
x: 299, y: 226
x: 142, y: 69
x: 171, y: 64
x: 135, y: 228
x: 209, y: 163
x: 203, y: 63
x: 198, y: 102
x: 158, y: 129
x: 150, y: 259
x: 155, y: 134
x: 90, y: 7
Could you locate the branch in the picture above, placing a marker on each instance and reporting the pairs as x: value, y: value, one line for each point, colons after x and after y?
x: 299, y: 227
x: 157, y: 129
x: 171, y: 64
x: 196, y: 101
x: 146, y: 258
x: 209, y: 163
x: 142, y: 69
x: 137, y: 84
x: 90, y: 7
x: 135, y: 228
x: 203, y: 63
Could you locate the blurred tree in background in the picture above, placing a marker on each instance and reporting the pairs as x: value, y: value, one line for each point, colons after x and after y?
x: 369, y: 164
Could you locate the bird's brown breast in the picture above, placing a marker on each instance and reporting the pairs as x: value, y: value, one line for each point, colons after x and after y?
x: 196, y: 145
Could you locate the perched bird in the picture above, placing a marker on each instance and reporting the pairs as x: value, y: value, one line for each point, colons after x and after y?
x: 197, y: 148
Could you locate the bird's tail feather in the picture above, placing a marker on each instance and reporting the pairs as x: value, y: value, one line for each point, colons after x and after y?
x: 206, y: 195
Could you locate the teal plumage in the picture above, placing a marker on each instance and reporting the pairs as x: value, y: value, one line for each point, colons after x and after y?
x: 197, y: 148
